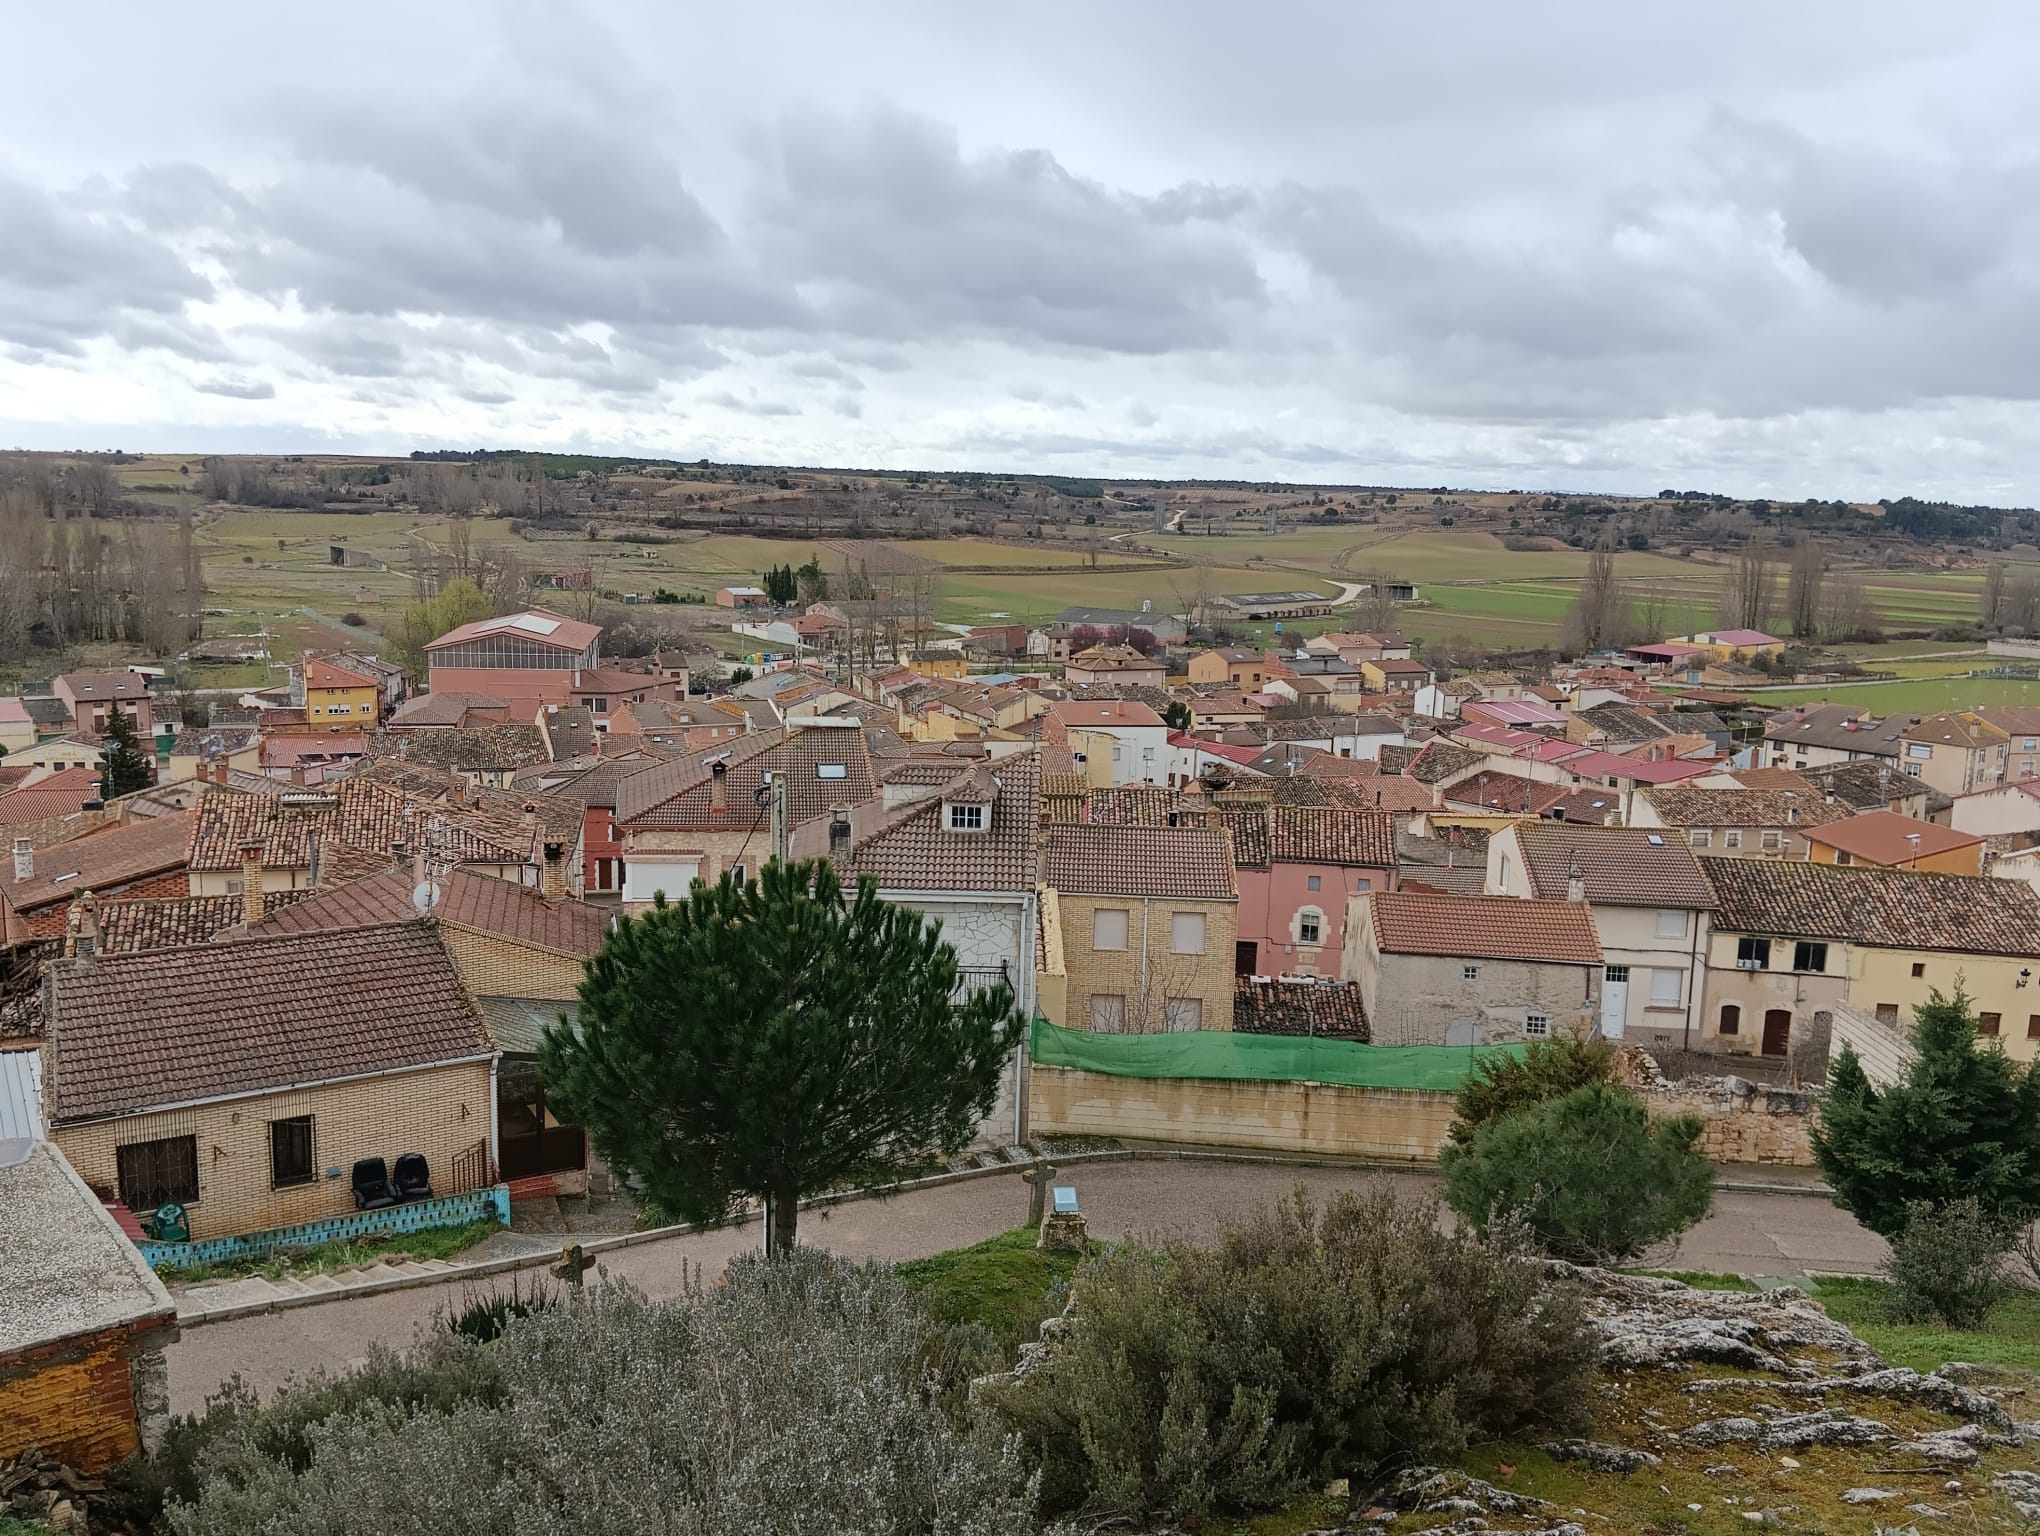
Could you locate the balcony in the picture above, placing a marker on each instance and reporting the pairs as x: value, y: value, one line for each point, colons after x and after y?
x: 971, y: 979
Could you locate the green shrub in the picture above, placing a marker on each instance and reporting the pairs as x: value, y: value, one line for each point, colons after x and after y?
x: 1549, y: 1069
x: 484, y: 1315
x: 1588, y: 1175
x: 1947, y: 1265
x: 1306, y: 1346
x: 797, y: 1397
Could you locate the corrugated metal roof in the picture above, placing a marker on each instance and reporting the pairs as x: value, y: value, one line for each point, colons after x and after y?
x: 21, y: 1096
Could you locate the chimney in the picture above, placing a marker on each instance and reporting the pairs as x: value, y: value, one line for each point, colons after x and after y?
x: 251, y: 882
x: 314, y: 865
x: 1437, y: 797
x: 553, y: 878
x: 718, y: 788
x: 83, y: 940
x: 1575, y: 884
x: 839, y: 830
x: 24, y: 859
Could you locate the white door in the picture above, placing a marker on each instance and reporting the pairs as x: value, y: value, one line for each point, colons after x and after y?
x: 1614, y: 1000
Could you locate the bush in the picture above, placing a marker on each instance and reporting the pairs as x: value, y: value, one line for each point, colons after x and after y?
x: 1588, y: 1175
x: 796, y: 1397
x: 353, y: 621
x: 484, y: 1315
x: 1549, y: 1069
x: 1947, y: 1265
x: 1306, y: 1346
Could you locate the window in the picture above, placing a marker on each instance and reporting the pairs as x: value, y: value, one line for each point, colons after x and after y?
x: 290, y: 1152
x: 1887, y: 1013
x: 1504, y: 877
x: 1362, y: 883
x: 1671, y: 924
x: 1809, y: 956
x: 152, y: 1172
x: 1667, y: 988
x: 1843, y: 856
x: 1183, y: 1013
x: 831, y: 771
x: 738, y: 873
x: 1753, y: 954
x: 1700, y: 837
x: 1919, y: 969
x: 966, y: 818
x: 1731, y: 839
x: 1987, y: 1024
x: 1470, y: 972
x: 1537, y: 1025
x: 1617, y: 973
x: 1310, y: 926
x: 1108, y: 1013
x: 1731, y: 1019
x: 1186, y: 933
x: 1313, y: 883
x: 2033, y: 1026
x: 599, y: 706
x: 1912, y: 770
x: 1918, y: 749
x: 1108, y: 928
x: 1770, y: 838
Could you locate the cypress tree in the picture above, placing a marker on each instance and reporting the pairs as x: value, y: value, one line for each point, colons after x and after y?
x: 125, y: 767
x: 773, y: 1038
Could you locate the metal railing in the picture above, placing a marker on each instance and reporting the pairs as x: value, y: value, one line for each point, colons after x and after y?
x: 972, y: 979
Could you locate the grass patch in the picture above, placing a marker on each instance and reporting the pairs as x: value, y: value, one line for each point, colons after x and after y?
x: 354, y: 1253
x: 1701, y: 1279
x: 2012, y: 1339
x: 9, y: 1526
x: 1004, y: 1283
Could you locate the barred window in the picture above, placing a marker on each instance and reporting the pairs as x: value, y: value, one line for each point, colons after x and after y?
x: 153, y: 1172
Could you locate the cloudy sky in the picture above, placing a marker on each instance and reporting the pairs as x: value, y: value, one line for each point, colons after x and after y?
x: 1784, y: 250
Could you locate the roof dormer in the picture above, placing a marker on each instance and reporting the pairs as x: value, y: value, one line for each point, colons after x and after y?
x: 967, y: 804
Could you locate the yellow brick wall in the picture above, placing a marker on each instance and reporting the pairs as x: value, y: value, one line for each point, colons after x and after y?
x: 439, y: 1111
x: 1208, y: 976
x: 492, y: 966
x: 1288, y: 1117
x: 74, y: 1401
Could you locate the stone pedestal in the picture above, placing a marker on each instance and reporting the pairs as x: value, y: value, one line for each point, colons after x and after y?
x: 1063, y: 1233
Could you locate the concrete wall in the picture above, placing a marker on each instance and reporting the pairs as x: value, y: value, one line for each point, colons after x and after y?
x: 438, y: 1111
x: 1285, y: 1117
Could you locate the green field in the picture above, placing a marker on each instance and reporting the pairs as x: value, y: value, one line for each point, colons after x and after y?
x: 1911, y: 696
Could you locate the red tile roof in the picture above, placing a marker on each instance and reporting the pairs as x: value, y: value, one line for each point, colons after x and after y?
x: 1484, y: 928
x: 100, y: 861
x: 482, y: 903
x: 59, y: 794
x: 912, y: 849
x: 1182, y: 863
x: 1622, y: 866
x: 253, y: 1017
x: 1885, y: 837
x: 1325, y: 1010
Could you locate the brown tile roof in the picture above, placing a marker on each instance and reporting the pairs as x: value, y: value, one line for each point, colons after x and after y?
x: 59, y: 794
x: 1623, y: 722
x: 483, y: 903
x: 443, y: 709
x: 1775, y: 778
x: 1686, y: 807
x: 1838, y: 728
x: 1962, y: 728
x: 1864, y: 786
x: 1328, y: 1010
x: 325, y: 672
x: 1622, y: 866
x: 363, y: 816
x: 1393, y: 792
x: 128, y: 927
x: 1305, y: 835
x: 100, y: 861
x: 1437, y: 761
x: 252, y: 1017
x: 678, y: 794
x: 89, y: 687
x: 1495, y: 791
x: 1890, y: 908
x: 1183, y: 863
x: 487, y: 749
x: 913, y: 850
x: 1885, y: 837
x: 1088, y: 714
x: 1588, y: 807
x: 1484, y: 928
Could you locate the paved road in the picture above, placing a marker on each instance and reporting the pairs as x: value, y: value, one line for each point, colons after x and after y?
x: 1752, y: 1234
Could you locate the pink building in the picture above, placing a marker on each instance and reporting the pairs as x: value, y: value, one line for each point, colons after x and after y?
x: 1296, y: 866
x: 91, y: 696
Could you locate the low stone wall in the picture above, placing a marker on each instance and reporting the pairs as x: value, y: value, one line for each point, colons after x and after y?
x: 1741, y: 1121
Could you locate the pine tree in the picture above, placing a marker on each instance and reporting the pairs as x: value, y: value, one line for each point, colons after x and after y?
x: 125, y: 767
x: 773, y: 1038
x: 1964, y: 1121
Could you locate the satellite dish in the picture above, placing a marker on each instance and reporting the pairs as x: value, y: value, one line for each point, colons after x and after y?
x: 425, y: 895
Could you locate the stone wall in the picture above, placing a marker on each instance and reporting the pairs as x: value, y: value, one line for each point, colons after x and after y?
x: 83, y: 1399
x: 1742, y: 1121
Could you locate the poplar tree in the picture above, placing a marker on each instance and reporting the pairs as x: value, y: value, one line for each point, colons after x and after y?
x: 773, y: 1038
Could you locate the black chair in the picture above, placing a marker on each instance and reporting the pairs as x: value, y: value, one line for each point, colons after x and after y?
x: 372, y: 1189
x: 413, y: 1177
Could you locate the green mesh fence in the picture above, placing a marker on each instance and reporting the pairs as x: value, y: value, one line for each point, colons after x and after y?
x: 1261, y: 1058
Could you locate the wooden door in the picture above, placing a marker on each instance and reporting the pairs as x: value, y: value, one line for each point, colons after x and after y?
x: 1777, y: 1031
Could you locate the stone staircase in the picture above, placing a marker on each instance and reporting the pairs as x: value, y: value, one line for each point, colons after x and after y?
x: 218, y: 1299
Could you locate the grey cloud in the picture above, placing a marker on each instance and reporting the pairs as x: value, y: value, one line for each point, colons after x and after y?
x: 69, y: 273
x: 236, y: 389
x: 750, y: 406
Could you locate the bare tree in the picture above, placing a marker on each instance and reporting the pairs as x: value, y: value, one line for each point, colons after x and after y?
x: 1375, y: 608
x: 1599, y: 613
x: 1805, y: 578
x: 1746, y: 595
x: 1846, y: 612
x: 1990, y: 608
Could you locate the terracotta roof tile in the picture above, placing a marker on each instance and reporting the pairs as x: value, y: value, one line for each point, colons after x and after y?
x: 101, y: 861
x: 1622, y: 866
x: 128, y: 927
x: 1892, y: 908
x: 1688, y: 807
x: 1186, y: 863
x: 467, y: 900
x: 1885, y: 837
x: 1484, y: 928
x: 679, y: 794
x: 226, y: 1019
x: 913, y: 850
x: 358, y: 815
x: 1325, y: 1010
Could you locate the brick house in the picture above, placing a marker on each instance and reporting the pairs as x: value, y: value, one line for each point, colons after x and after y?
x: 83, y: 1322
x: 260, y: 1070
x: 1444, y: 969
x: 142, y: 858
x: 1139, y: 926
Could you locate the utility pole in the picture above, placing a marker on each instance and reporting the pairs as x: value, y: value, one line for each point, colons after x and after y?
x: 779, y: 817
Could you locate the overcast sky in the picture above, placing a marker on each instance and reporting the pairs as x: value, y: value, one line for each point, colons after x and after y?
x: 1776, y: 250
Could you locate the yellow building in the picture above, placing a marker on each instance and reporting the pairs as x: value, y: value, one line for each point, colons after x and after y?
x: 949, y: 664
x: 340, y: 699
x: 1139, y: 929
x: 1887, y: 840
x: 1791, y: 940
x: 1734, y: 644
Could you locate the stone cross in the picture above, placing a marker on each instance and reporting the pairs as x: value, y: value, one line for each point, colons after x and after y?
x: 1038, y: 1178
x: 574, y: 1263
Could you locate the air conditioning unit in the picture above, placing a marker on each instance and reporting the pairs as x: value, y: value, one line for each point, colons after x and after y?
x: 1749, y: 965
